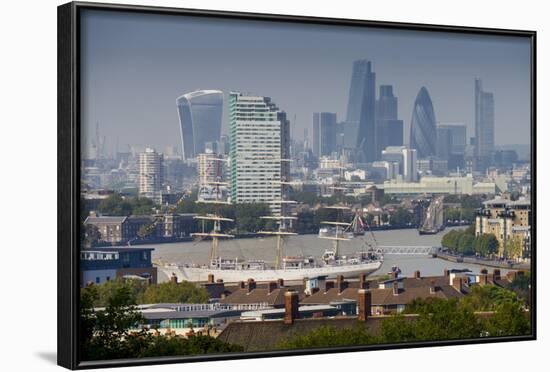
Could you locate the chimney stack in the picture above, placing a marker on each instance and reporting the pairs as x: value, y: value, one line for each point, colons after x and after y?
x: 329, y: 284
x: 511, y: 275
x: 483, y: 271
x: 341, y: 283
x: 457, y: 283
x: 394, y: 275
x: 291, y: 307
x: 446, y: 272
x: 432, y: 287
x: 362, y: 278
x: 251, y: 285
x: 364, y: 303
x: 483, y: 279
x: 241, y: 285
x: 496, y: 274
x: 417, y: 274
x: 280, y: 282
x: 364, y: 284
x: 395, y: 288
x: 271, y: 286
x: 210, y: 278
x: 174, y: 279
x: 219, y: 281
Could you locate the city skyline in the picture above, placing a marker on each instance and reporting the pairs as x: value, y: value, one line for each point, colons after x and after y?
x: 310, y: 74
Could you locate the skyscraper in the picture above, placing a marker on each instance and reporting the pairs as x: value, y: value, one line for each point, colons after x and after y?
x: 423, y: 131
x: 200, y: 115
x: 324, y: 133
x: 360, y: 130
x: 451, y: 144
x: 389, y: 130
x: 484, y: 127
x: 260, y: 143
x: 150, y: 174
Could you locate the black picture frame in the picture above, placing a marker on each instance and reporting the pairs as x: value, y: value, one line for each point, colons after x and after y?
x: 69, y: 176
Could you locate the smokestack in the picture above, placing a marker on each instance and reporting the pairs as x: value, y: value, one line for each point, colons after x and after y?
x: 457, y: 283
x: 417, y: 274
x: 251, y: 285
x: 395, y: 288
x: 496, y: 274
x: 364, y: 303
x: 210, y: 278
x: 291, y: 307
x: 432, y: 287
x: 271, y: 286
x: 174, y: 279
x: 280, y: 282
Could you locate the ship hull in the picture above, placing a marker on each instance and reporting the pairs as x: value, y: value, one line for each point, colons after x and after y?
x: 195, y: 274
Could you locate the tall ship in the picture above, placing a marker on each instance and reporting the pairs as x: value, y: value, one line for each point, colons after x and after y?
x: 433, y: 220
x: 290, y: 268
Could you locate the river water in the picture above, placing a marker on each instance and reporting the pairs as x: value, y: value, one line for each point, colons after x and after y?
x: 311, y: 245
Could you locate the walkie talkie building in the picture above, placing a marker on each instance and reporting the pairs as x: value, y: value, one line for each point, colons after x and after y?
x: 200, y: 115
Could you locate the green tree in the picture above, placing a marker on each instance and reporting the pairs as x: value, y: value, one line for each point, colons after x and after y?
x: 115, y: 205
x: 510, y: 319
x: 168, y: 292
x: 401, y: 217
x: 466, y: 244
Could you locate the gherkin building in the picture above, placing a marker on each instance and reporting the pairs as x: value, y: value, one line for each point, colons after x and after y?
x: 423, y: 129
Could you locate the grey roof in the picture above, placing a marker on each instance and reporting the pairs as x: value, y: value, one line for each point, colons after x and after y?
x: 105, y: 219
x: 189, y: 314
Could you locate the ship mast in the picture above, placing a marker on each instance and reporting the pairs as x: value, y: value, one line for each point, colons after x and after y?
x: 216, y: 232
x: 339, y: 226
x: 283, y: 220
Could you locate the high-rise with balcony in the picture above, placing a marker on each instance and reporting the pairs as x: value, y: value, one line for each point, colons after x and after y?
x: 260, y: 148
x: 359, y: 130
x: 484, y: 127
x: 150, y: 174
x: 423, y: 130
x: 200, y: 115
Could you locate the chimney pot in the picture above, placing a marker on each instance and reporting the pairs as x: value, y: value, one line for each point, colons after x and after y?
x: 291, y: 307
x: 364, y: 304
x: 483, y: 271
x: 219, y: 281
x: 417, y: 274
x: 341, y: 283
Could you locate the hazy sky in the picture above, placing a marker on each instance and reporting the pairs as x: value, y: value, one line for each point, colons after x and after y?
x: 134, y: 66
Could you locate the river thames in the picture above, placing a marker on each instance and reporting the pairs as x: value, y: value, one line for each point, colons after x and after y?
x: 311, y: 245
